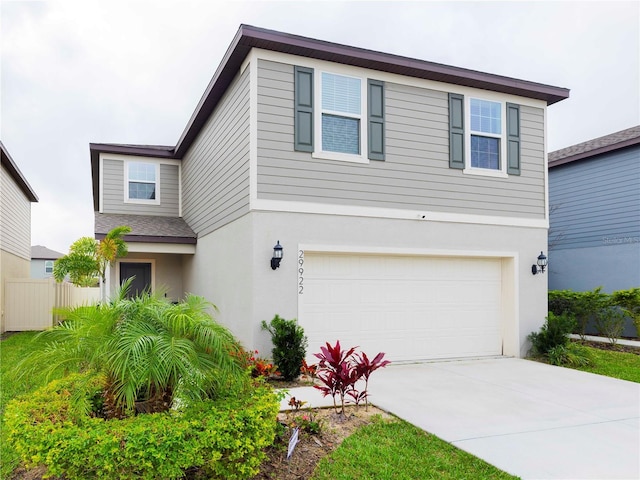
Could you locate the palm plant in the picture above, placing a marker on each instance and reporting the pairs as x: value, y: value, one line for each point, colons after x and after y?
x: 150, y: 351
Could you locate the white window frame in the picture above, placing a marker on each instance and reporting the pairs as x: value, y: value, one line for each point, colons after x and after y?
x: 487, y: 172
x: 46, y: 263
x: 318, y: 152
x: 141, y: 201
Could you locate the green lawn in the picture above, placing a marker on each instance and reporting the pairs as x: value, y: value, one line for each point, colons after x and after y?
x: 625, y: 366
x: 398, y: 450
x: 12, y: 350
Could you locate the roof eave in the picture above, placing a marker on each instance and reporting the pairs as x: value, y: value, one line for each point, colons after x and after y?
x: 248, y: 37
x: 16, y: 174
x: 594, y: 152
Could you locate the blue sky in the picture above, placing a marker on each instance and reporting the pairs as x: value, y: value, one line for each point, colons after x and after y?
x: 75, y: 72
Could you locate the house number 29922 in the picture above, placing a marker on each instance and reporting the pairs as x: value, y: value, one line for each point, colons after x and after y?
x: 300, y: 272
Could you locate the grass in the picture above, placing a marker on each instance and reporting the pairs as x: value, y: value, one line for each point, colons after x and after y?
x: 625, y: 366
x: 398, y: 450
x: 12, y: 350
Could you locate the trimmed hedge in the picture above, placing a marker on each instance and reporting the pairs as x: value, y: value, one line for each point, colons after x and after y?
x: 224, y: 438
x: 586, y: 306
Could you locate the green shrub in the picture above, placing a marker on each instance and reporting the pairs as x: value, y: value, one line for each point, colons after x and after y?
x: 610, y: 322
x: 289, y: 345
x: 224, y: 438
x: 629, y: 301
x: 554, y: 332
x: 571, y: 354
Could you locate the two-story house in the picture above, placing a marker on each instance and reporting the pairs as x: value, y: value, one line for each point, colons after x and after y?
x: 409, y: 199
x: 594, y: 197
x: 16, y: 197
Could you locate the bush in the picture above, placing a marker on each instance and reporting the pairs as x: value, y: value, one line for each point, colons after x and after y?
x: 587, y: 306
x: 289, y: 345
x: 554, y: 332
x: 571, y: 354
x: 610, y: 322
x: 629, y: 301
x: 223, y: 438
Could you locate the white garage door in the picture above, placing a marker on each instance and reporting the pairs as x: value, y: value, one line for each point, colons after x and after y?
x: 410, y: 307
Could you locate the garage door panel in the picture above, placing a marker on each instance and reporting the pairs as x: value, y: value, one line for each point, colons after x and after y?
x: 412, y: 308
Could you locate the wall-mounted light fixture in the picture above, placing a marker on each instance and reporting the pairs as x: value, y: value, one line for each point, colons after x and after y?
x: 540, y: 265
x: 277, y: 256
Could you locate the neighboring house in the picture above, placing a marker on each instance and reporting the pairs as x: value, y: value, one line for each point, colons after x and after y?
x: 16, y: 196
x: 409, y: 199
x: 42, y: 260
x: 594, y: 196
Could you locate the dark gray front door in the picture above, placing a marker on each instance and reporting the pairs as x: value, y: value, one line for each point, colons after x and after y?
x: 141, y: 272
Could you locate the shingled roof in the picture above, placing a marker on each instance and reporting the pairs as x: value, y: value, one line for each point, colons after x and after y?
x: 38, y: 252
x: 597, y: 146
x: 146, y: 228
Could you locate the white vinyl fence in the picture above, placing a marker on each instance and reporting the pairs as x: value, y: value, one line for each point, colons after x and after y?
x: 29, y: 302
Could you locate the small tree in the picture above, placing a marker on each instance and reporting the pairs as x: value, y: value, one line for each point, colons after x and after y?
x: 87, y: 261
x: 289, y: 345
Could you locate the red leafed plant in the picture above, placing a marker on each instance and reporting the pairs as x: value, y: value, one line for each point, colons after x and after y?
x: 339, y: 370
x: 308, y: 370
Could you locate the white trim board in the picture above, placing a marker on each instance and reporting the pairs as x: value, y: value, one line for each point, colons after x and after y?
x: 358, y: 211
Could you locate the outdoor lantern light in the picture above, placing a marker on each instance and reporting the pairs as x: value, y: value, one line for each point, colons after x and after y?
x: 539, y: 267
x: 277, y: 256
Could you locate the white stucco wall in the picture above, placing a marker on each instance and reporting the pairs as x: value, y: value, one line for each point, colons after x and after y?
x: 232, y: 265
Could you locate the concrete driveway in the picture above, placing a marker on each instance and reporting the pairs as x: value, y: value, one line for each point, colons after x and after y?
x: 529, y: 419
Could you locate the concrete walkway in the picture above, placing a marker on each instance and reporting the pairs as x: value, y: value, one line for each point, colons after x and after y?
x: 530, y: 419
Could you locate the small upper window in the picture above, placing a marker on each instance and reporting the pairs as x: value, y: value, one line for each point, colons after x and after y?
x: 341, y: 113
x: 486, y: 133
x: 48, y: 267
x: 142, y: 181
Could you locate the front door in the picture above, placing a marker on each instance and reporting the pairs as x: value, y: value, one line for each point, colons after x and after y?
x: 141, y: 273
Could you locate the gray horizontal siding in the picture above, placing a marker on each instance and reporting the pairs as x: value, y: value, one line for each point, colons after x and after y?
x: 416, y: 173
x: 215, y: 170
x: 113, y: 191
x: 596, y: 202
x: 15, y: 218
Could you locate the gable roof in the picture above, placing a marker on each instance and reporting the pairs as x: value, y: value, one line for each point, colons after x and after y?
x: 248, y: 37
x: 16, y: 174
x: 597, y: 146
x: 38, y: 252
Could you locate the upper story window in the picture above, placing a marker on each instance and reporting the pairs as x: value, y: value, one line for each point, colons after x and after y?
x: 486, y: 133
x: 484, y: 136
x: 338, y: 117
x: 142, y: 182
x: 48, y: 267
x: 341, y: 113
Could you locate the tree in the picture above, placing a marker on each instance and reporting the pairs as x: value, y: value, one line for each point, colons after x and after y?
x: 150, y: 350
x: 87, y: 261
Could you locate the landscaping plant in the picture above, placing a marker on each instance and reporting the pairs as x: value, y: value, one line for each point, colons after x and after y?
x: 339, y: 371
x: 610, y: 322
x: 289, y: 345
x: 150, y: 351
x: 222, y: 438
x: 554, y: 332
x: 629, y: 301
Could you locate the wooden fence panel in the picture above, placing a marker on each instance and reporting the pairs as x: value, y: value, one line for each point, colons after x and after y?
x: 30, y: 303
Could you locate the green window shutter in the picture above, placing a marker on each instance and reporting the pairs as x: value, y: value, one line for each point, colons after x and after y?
x: 513, y: 139
x: 375, y: 132
x: 456, y: 131
x: 303, y: 99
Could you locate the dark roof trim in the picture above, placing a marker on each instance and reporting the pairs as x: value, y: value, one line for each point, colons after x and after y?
x: 249, y: 37
x: 593, y: 148
x: 152, y: 239
x: 16, y: 174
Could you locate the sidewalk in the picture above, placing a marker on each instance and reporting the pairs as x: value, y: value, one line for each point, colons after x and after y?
x: 621, y: 341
